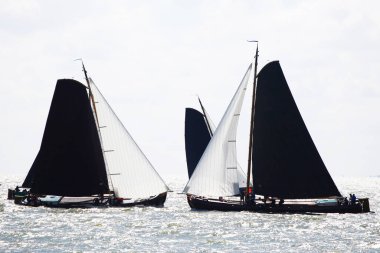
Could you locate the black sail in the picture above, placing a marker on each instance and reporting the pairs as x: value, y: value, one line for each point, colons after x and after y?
x: 286, y: 163
x: 197, y: 137
x: 70, y: 161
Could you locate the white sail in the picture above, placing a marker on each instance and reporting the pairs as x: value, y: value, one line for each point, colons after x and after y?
x: 131, y: 173
x: 217, y: 173
x: 209, y: 121
x: 242, y: 176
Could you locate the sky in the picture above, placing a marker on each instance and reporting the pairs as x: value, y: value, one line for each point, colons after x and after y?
x: 151, y: 59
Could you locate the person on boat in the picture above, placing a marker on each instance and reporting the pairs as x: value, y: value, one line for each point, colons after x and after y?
x: 273, y: 203
x: 350, y: 202
x: 96, y: 201
x: 28, y: 199
x: 33, y: 200
x: 17, y: 189
x: 250, y: 198
x: 252, y: 195
x: 281, y: 202
x: 353, y: 199
x: 345, y: 201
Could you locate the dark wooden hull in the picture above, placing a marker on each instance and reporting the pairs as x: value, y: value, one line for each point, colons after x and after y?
x: 214, y: 204
x: 95, y: 202
x: 304, y: 208
x: 81, y: 204
x: 217, y: 205
x: 11, y: 194
x: 157, y: 201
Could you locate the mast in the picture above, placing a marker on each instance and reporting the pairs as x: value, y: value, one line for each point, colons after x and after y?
x: 91, y: 95
x: 204, y: 115
x: 252, y: 125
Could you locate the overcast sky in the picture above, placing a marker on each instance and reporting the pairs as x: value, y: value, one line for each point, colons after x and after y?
x: 151, y: 58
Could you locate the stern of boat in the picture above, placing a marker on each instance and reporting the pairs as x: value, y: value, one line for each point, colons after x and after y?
x: 365, y: 204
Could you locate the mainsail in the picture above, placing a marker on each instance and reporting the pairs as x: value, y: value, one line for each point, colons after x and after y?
x: 216, y: 173
x: 132, y: 175
x: 70, y: 161
x: 286, y: 163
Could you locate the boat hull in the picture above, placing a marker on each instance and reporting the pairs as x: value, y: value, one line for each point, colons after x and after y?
x: 214, y: 204
x: 157, y: 201
x: 89, y: 202
x: 200, y: 203
x: 79, y: 202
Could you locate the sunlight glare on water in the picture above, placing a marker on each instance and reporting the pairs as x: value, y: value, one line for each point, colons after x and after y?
x: 177, y: 228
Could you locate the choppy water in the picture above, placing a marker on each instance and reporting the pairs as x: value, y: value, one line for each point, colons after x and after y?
x: 176, y: 228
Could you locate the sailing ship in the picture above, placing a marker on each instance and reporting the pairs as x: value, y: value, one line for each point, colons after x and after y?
x: 87, y: 157
x: 284, y: 167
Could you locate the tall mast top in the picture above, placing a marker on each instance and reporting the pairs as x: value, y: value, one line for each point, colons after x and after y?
x: 90, y: 91
x: 85, y: 75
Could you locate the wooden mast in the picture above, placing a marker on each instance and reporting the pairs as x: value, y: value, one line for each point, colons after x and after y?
x: 90, y: 93
x: 92, y: 99
x: 252, y: 126
x: 204, y: 115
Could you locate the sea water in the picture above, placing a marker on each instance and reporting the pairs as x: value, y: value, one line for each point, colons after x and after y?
x: 177, y: 228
